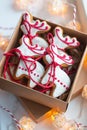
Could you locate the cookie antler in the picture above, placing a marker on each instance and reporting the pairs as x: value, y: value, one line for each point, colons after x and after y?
x: 40, y: 25
x: 64, y: 42
x: 30, y: 26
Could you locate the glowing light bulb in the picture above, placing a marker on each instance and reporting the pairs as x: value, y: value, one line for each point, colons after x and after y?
x: 27, y: 123
x: 57, y: 7
x: 84, y: 92
x: 59, y: 120
x: 71, y: 25
x: 85, y: 62
x: 3, y: 43
x: 21, y: 4
x: 70, y: 125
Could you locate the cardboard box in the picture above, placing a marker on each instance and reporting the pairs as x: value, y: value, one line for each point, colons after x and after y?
x: 35, y: 110
x: 23, y: 91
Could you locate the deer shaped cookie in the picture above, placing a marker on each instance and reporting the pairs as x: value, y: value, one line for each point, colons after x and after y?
x: 64, y: 42
x: 28, y: 66
x: 33, y: 28
x: 56, y: 58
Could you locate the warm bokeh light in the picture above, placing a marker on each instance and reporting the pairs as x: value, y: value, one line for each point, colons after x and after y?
x: 85, y: 62
x: 27, y: 123
x: 84, y: 92
x: 57, y: 7
x: 62, y: 123
x: 59, y: 120
x: 77, y: 25
x: 51, y: 113
x: 21, y: 4
x: 3, y: 43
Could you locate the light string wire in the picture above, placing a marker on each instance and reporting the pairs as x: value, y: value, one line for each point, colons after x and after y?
x: 6, y: 28
x: 80, y: 125
x: 74, y: 13
x: 12, y: 116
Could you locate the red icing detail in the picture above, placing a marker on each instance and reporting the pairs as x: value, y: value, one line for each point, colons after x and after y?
x: 26, y: 70
x: 34, y: 74
x: 61, y: 83
x: 64, y: 85
x: 55, y: 78
x: 67, y: 87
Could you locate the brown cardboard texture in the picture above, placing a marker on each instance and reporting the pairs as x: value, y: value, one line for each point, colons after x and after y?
x: 31, y: 94
x: 35, y: 110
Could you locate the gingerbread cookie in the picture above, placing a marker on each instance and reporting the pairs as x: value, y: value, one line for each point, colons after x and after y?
x: 64, y: 42
x: 29, y: 66
x: 33, y: 28
x: 54, y: 74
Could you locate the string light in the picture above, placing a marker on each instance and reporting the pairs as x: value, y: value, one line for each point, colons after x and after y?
x: 77, y: 25
x: 27, y: 123
x: 84, y: 92
x: 85, y: 62
x: 12, y: 116
x: 3, y: 43
x: 57, y: 7
x: 60, y: 122
x: 21, y: 4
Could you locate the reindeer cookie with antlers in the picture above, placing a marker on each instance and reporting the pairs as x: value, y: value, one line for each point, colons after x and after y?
x: 56, y: 58
x: 32, y: 28
x: 64, y: 42
x: 28, y: 65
